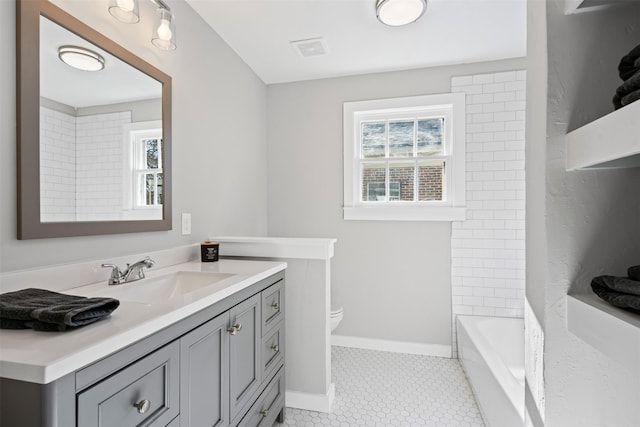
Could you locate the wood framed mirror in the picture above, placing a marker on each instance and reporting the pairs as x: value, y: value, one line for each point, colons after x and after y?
x: 90, y: 161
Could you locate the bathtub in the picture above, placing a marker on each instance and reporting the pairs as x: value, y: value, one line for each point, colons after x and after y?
x: 491, y: 351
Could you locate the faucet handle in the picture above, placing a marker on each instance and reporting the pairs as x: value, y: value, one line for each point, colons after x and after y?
x: 116, y: 274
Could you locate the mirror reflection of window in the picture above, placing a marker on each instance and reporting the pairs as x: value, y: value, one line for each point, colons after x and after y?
x: 148, y: 171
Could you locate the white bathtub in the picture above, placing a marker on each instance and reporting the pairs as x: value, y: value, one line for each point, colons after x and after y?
x: 491, y: 351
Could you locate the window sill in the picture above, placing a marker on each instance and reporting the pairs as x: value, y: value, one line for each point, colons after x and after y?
x: 422, y: 213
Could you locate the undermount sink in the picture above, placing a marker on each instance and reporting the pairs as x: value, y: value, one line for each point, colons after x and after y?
x: 167, y: 287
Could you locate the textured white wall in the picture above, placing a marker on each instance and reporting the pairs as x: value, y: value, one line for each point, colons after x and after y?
x: 591, y: 218
x: 392, y: 278
x: 219, y: 139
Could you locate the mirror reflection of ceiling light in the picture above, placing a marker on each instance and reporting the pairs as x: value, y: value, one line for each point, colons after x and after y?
x: 81, y: 58
x: 399, y: 12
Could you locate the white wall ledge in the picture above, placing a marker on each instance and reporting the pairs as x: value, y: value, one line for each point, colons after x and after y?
x: 276, y: 247
x: 613, y: 331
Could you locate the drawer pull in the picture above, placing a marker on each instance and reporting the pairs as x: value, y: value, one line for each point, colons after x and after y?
x: 235, y: 328
x: 264, y: 413
x: 275, y: 348
x: 276, y: 306
x: 143, y: 406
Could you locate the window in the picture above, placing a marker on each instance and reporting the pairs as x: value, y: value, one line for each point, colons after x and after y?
x: 143, y: 178
x: 404, y: 158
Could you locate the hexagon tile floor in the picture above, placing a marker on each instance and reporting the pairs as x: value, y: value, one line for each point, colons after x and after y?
x: 375, y: 388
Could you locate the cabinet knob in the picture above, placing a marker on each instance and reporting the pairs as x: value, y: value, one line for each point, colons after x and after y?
x: 235, y: 329
x: 276, y: 305
x: 264, y: 413
x: 275, y: 348
x: 143, y: 406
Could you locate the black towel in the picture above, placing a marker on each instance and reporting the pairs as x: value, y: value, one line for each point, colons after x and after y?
x: 621, y: 292
x: 629, y: 63
x: 46, y: 310
x: 624, y: 285
x: 627, y: 92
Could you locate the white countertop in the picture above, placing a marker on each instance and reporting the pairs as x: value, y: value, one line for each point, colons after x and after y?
x: 43, y: 357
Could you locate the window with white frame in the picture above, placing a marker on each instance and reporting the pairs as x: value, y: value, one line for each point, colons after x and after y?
x: 143, y: 176
x: 404, y: 158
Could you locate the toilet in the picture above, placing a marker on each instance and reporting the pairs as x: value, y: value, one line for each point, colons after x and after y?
x: 336, y: 316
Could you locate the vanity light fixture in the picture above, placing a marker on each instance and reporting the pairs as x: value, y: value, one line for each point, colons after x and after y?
x: 81, y: 58
x: 125, y: 10
x: 163, y: 33
x: 399, y: 12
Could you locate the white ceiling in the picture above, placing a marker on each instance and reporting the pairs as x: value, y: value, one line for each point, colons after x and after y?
x: 450, y: 32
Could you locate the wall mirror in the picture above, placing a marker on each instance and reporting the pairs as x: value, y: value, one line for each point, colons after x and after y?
x: 94, y: 146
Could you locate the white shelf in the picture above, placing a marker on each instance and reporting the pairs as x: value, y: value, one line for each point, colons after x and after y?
x: 612, y: 141
x: 578, y: 6
x: 611, y: 330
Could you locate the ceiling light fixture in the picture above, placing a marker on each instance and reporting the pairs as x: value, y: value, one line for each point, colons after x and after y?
x: 163, y: 33
x: 399, y: 12
x: 81, y: 58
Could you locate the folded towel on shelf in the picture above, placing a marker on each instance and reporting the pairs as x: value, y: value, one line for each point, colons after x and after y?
x: 618, y: 299
x: 634, y: 272
x: 632, y: 97
x: 629, y: 63
x: 41, y: 309
x: 618, y: 284
x: 626, y: 93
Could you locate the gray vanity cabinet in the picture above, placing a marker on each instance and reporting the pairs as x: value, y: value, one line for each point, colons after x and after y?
x: 222, y: 366
x: 204, y: 379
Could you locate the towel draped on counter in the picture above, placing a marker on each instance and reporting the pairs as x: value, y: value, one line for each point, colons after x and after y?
x: 45, y: 310
x: 622, y: 292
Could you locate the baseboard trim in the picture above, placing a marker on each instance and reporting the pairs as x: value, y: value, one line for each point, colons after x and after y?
x: 310, y: 401
x: 437, y: 350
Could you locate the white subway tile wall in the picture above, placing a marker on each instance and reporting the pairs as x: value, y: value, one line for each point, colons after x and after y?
x: 488, y: 248
x: 57, y: 165
x: 100, y: 159
x: 81, y: 164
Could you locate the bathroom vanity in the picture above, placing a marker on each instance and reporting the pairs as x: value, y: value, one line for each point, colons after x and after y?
x: 210, y: 354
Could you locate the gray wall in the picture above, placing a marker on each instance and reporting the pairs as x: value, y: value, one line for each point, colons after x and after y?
x: 219, y: 139
x: 392, y: 278
x: 591, y: 218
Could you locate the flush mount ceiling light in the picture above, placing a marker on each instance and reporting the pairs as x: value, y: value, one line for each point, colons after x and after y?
x: 163, y: 33
x: 399, y: 12
x: 81, y: 58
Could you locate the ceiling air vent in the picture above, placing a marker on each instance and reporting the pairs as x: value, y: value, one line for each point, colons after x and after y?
x: 310, y: 47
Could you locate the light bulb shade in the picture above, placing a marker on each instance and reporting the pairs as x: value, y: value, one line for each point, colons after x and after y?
x: 81, y: 58
x: 400, y: 12
x: 125, y: 10
x: 163, y: 32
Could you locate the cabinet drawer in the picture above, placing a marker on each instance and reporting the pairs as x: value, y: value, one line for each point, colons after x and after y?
x: 272, y: 306
x: 266, y: 409
x: 151, y: 383
x: 272, y: 351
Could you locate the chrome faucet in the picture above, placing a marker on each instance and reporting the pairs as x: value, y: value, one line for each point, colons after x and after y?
x: 132, y: 273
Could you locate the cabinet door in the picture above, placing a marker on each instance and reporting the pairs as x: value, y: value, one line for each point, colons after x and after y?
x: 204, y: 380
x: 244, y: 352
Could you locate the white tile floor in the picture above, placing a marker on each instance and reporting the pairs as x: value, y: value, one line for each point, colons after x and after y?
x: 375, y: 388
